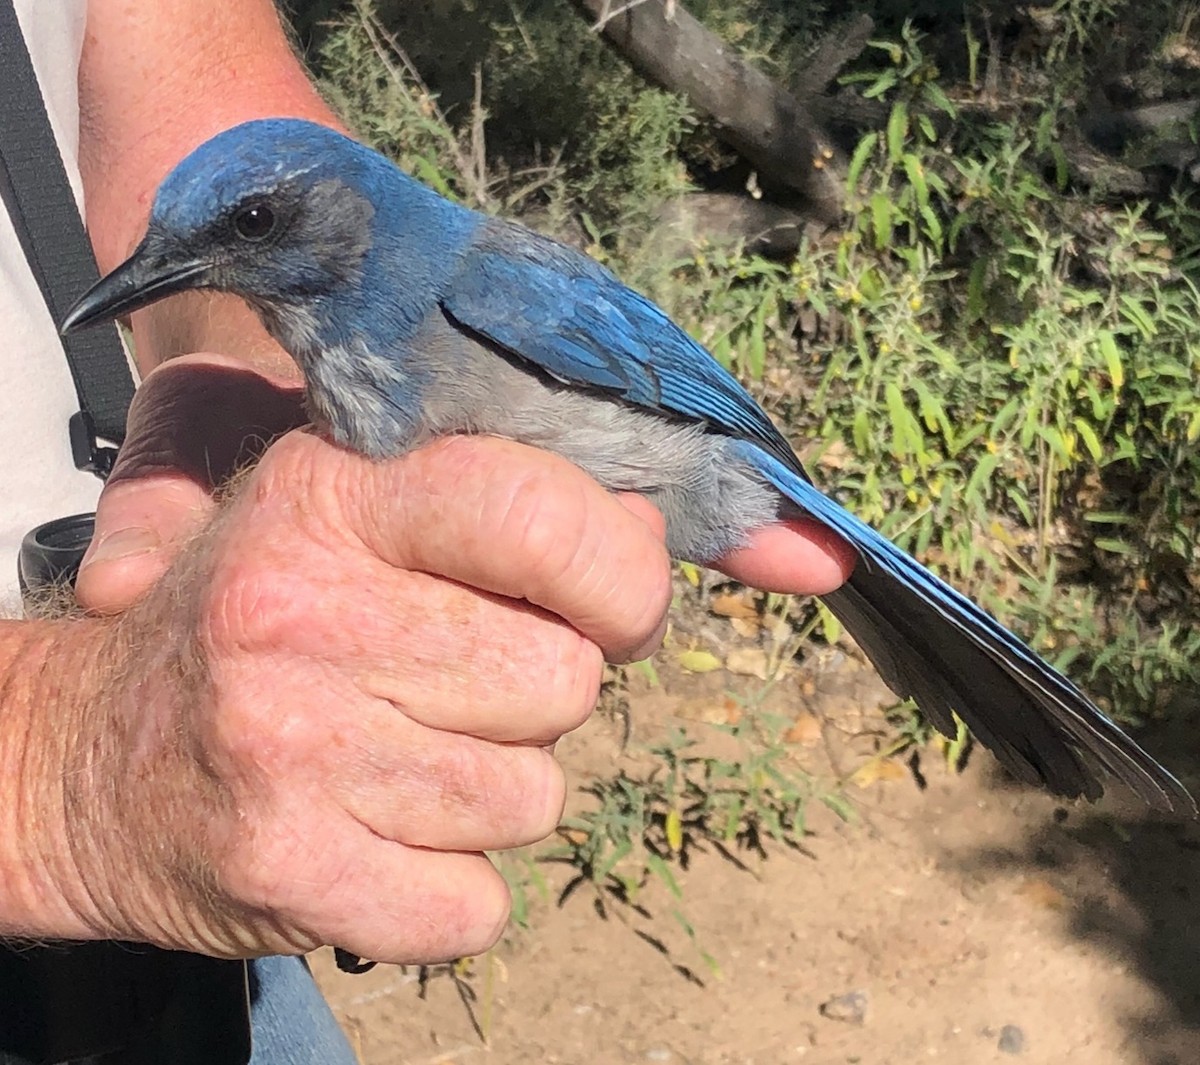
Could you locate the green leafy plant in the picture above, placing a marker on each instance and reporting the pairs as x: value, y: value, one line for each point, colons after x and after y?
x: 644, y: 827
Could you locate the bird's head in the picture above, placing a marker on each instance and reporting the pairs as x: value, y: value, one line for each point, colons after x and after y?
x: 275, y: 210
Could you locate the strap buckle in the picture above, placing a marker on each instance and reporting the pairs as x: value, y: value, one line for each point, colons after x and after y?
x: 86, y: 450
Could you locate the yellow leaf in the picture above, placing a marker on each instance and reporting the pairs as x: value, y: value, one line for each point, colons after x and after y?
x: 1000, y: 532
x: 691, y: 573
x: 878, y: 769
x: 1112, y: 358
x: 699, y: 661
x: 675, y: 831
x: 733, y: 606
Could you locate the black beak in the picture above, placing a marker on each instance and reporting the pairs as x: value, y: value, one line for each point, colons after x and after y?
x: 140, y: 280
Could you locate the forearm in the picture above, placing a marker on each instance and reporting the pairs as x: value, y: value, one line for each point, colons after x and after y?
x: 104, y: 806
x: 46, y: 669
x: 156, y: 80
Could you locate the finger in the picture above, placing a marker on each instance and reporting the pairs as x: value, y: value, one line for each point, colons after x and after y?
x: 205, y: 417
x: 533, y: 526
x: 456, y: 659
x: 441, y: 790
x: 416, y: 772
x: 194, y: 421
x: 797, y: 556
x: 449, y: 656
x: 442, y: 906
x: 505, y: 518
x: 140, y: 525
x: 375, y: 898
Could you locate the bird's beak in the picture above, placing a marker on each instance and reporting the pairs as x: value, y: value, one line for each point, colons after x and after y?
x: 140, y: 280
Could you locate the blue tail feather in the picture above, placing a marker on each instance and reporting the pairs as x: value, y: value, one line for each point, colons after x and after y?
x: 932, y: 644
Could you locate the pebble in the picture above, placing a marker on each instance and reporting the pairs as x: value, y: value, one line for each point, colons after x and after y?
x: 850, y: 1007
x: 1012, y: 1040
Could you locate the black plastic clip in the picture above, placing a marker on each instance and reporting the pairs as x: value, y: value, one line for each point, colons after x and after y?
x: 89, y: 454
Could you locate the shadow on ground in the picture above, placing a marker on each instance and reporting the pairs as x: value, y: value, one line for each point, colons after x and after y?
x: 1132, y: 890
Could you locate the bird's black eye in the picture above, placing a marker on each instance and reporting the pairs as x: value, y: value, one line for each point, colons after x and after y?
x: 254, y: 222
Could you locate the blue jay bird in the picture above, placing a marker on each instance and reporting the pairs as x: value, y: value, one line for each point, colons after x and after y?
x: 413, y: 317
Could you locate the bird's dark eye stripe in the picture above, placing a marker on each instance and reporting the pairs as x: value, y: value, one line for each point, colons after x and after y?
x: 254, y: 222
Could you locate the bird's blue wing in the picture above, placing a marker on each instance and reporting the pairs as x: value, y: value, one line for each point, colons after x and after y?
x: 568, y: 316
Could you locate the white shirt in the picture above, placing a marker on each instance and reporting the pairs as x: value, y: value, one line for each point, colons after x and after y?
x: 38, y: 480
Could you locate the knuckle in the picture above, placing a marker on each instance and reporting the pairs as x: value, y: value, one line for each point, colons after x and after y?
x: 554, y: 801
x: 467, y: 921
x: 525, y: 801
x: 500, y: 796
x: 491, y: 908
x: 291, y: 455
x: 575, y: 686
x: 442, y: 913
x: 654, y: 592
x: 262, y: 745
x: 544, y: 522
x: 467, y: 784
x: 253, y: 608
x: 631, y: 606
x: 323, y: 494
x: 258, y: 874
x: 310, y: 476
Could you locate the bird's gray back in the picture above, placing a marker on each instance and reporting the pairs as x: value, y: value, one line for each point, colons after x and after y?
x: 710, y: 497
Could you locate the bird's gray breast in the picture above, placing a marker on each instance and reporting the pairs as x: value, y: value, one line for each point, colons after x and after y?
x: 365, y: 399
x: 710, y: 497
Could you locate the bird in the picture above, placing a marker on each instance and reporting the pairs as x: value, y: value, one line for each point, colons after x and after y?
x: 412, y: 317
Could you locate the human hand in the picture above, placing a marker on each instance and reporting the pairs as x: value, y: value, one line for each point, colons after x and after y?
x: 343, y: 690
x: 344, y: 687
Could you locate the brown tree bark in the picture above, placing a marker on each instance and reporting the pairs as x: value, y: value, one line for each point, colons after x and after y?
x: 760, y: 120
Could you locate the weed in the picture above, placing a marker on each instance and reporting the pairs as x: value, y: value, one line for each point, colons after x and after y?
x: 645, y: 826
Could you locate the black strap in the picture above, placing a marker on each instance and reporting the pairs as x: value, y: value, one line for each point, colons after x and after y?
x: 35, y: 189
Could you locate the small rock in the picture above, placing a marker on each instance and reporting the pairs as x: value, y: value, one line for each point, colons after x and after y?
x: 658, y: 1054
x: 1012, y: 1040
x: 1042, y: 894
x: 850, y: 1007
x: 747, y: 662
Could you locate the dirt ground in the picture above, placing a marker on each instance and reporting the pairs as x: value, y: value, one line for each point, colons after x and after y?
x: 981, y: 922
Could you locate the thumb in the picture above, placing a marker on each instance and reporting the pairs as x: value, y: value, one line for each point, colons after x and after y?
x: 140, y: 525
x: 194, y: 422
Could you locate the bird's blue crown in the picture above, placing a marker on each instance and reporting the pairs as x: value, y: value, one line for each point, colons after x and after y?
x: 261, y: 156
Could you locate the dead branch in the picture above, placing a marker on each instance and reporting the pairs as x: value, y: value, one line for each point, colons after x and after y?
x: 768, y: 126
x: 841, y: 45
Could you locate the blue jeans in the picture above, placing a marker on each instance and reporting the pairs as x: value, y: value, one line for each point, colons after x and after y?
x: 290, y: 1021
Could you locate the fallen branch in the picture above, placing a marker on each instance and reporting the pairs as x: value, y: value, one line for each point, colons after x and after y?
x: 724, y: 219
x: 841, y: 45
x: 768, y: 126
